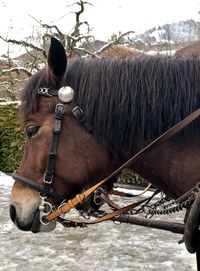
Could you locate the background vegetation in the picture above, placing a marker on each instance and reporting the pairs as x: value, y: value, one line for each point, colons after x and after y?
x: 11, y: 138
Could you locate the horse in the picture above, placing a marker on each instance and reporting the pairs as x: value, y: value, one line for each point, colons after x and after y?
x: 115, y: 107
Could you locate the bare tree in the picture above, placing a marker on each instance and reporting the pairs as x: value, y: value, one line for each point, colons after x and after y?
x: 36, y: 49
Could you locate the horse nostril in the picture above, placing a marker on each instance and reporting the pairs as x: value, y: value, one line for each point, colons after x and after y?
x: 12, y: 213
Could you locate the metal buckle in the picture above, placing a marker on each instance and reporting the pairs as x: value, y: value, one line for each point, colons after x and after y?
x: 48, y: 181
x: 78, y: 112
x: 44, y: 91
x: 45, y: 209
x: 60, y: 108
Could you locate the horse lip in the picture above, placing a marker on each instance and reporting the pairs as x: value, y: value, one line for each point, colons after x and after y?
x: 22, y: 227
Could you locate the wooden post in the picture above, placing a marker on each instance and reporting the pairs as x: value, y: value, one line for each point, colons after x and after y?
x: 162, y: 225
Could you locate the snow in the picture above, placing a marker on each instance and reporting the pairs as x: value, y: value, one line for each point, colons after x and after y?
x: 157, y: 35
x: 5, y: 179
x: 163, y: 52
x: 100, y: 247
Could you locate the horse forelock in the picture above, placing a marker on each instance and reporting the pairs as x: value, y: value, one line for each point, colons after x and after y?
x: 135, y: 98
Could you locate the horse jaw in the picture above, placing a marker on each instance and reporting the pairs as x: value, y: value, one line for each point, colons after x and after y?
x: 24, y: 210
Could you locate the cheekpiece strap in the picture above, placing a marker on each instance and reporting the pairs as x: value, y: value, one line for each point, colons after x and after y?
x: 49, y: 174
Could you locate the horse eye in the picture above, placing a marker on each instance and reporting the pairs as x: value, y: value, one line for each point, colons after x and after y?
x: 32, y: 131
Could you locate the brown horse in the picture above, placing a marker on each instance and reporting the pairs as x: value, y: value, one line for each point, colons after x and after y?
x: 126, y: 103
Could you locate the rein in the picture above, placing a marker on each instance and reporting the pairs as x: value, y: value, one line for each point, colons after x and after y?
x: 65, y: 207
x: 65, y: 95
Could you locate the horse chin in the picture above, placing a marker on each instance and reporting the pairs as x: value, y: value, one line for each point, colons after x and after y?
x: 37, y: 226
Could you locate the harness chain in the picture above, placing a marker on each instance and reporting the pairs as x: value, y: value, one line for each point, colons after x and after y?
x: 184, y: 201
x: 163, y: 208
x: 160, y: 207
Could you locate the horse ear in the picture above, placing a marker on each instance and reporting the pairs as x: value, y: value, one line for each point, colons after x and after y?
x: 57, y: 59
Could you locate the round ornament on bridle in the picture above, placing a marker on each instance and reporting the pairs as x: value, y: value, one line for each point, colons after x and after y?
x: 66, y: 94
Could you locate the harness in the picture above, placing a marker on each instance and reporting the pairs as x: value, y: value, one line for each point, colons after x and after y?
x: 49, y: 213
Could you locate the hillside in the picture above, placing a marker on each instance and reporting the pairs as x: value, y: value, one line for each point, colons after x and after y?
x: 182, y: 31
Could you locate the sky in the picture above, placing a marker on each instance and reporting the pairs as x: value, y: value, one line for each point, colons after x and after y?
x: 20, y: 18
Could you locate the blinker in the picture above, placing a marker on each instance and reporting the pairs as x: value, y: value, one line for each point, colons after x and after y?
x: 66, y: 94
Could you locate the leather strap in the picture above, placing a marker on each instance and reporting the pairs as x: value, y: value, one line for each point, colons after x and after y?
x: 111, y: 203
x: 124, y: 194
x: 49, y: 173
x: 154, y: 144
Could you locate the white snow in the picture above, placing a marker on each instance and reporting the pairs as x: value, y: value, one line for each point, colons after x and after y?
x: 157, y: 35
x: 5, y: 179
x: 163, y: 52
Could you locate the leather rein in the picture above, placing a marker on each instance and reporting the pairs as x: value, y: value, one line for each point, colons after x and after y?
x: 47, y: 212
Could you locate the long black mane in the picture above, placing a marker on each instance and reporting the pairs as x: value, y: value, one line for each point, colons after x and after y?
x: 131, y: 98
x: 135, y: 98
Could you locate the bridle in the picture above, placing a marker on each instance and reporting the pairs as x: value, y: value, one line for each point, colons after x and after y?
x: 47, y: 214
x: 65, y: 96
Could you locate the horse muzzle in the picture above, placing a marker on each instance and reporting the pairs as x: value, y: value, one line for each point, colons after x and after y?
x: 30, y: 222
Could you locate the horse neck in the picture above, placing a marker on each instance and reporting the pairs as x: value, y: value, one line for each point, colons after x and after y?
x: 173, y: 167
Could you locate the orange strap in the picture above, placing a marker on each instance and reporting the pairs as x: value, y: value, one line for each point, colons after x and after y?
x: 65, y: 207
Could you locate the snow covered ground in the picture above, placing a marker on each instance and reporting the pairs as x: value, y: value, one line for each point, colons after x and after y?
x: 5, y: 179
x: 102, y: 247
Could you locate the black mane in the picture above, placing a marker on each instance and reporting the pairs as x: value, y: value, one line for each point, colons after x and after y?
x: 135, y: 98
x: 130, y: 98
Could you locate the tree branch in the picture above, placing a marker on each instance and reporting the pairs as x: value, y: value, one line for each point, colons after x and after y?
x: 25, y: 44
x: 48, y: 26
x: 17, y: 70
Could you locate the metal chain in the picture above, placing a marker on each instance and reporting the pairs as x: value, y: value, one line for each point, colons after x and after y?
x: 172, y: 206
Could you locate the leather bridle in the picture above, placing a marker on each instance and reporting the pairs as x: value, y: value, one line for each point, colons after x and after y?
x: 65, y: 95
x: 47, y: 191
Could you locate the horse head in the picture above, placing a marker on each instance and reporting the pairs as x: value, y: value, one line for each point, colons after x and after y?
x: 80, y: 158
